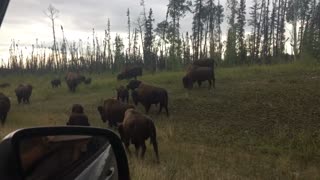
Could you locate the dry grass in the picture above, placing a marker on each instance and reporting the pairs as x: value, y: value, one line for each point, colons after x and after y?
x: 259, y: 123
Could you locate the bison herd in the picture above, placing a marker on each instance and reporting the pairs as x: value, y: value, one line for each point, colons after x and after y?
x: 133, y: 126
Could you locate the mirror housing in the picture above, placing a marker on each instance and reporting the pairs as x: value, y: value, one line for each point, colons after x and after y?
x: 12, y: 167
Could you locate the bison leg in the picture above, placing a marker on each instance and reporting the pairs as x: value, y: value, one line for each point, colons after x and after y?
x: 19, y: 99
x: 137, y: 146
x: 3, y: 119
x: 143, y: 150
x: 126, y: 144
x: 160, y: 109
x: 167, y: 111
x: 199, y: 83
x: 210, y: 84
x: 147, y: 107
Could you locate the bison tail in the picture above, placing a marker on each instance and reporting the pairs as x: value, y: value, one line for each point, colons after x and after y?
x: 153, y: 139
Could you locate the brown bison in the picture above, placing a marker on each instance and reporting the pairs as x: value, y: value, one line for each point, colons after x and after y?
x: 4, y: 85
x: 148, y: 95
x: 4, y: 107
x: 23, y: 93
x: 55, y: 83
x: 113, y: 111
x: 129, y: 73
x: 73, y: 80
x: 78, y: 117
x: 123, y: 94
x: 136, y: 128
x: 198, y: 74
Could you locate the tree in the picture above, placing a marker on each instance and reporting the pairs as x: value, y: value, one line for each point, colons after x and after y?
x: 241, y: 33
x: 218, y: 33
x: 255, y: 23
x: 129, y: 34
x: 148, y: 42
x: 119, y: 57
x: 176, y: 9
x: 231, y: 52
x: 197, y: 28
x: 52, y: 13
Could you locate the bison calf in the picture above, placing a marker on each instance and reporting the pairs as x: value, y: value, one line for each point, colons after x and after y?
x: 148, y: 95
x: 137, y: 128
x: 4, y: 107
x: 55, y: 83
x: 113, y: 111
x: 77, y: 117
x: 23, y: 93
x: 122, y: 94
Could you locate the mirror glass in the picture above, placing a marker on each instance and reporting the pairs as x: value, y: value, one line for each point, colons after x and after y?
x: 67, y: 157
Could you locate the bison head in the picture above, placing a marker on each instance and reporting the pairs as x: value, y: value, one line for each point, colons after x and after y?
x: 81, y: 78
x: 102, y: 114
x: 77, y: 108
x: 133, y: 84
x: 120, y: 76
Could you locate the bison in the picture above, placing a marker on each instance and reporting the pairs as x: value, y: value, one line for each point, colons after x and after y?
x: 4, y: 107
x: 73, y: 80
x: 23, y: 93
x: 113, y: 111
x: 204, y: 63
x: 55, y: 83
x: 129, y: 73
x: 87, y: 81
x: 198, y: 74
x: 78, y: 117
x: 148, y: 95
x: 4, y: 85
x: 123, y: 94
x: 136, y: 128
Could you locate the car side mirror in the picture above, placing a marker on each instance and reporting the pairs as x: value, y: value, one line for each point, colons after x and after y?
x: 66, y: 152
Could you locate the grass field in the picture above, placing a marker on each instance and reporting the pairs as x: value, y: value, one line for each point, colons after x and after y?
x: 261, y: 122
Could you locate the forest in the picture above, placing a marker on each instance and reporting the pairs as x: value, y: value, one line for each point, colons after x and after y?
x: 257, y: 34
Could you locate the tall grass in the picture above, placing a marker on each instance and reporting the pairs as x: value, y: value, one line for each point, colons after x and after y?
x: 261, y: 122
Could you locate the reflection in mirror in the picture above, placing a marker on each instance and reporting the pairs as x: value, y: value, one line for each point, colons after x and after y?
x: 66, y: 157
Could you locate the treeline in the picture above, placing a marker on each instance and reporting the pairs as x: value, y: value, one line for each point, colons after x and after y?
x: 164, y: 46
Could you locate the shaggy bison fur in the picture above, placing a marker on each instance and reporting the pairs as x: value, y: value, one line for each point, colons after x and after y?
x: 55, y: 83
x: 77, y: 117
x: 123, y: 94
x: 113, y: 111
x: 198, y: 74
x: 129, y: 73
x: 73, y: 80
x: 204, y: 63
x: 148, y: 95
x: 4, y: 107
x: 136, y: 128
x: 23, y: 93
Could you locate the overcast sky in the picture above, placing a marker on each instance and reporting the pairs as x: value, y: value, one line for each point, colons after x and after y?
x: 25, y: 20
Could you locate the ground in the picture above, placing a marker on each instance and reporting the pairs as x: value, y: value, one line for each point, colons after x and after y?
x: 261, y: 122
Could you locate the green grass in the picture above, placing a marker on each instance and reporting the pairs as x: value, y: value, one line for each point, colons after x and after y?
x: 261, y: 122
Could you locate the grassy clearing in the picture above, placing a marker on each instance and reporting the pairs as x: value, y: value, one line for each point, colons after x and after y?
x: 261, y: 122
